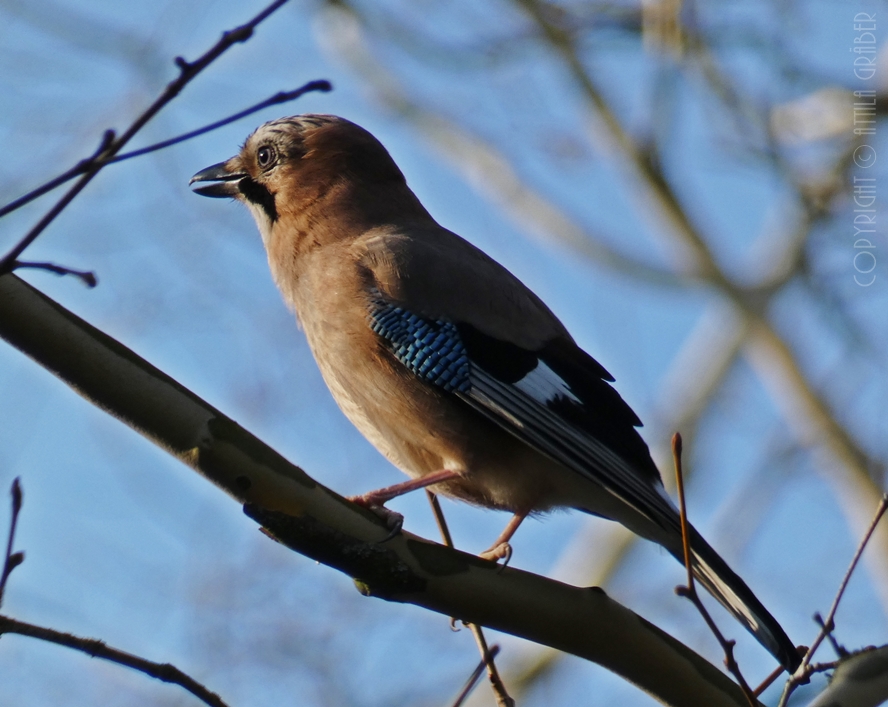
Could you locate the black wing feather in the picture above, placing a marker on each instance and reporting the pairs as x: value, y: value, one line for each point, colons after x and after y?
x: 596, y: 409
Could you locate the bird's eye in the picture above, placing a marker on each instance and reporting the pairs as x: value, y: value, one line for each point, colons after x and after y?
x: 265, y: 156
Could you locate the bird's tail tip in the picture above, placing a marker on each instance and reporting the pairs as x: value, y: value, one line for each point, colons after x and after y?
x: 733, y: 593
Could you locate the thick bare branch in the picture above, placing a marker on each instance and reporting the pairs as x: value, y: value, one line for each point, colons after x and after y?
x: 299, y: 512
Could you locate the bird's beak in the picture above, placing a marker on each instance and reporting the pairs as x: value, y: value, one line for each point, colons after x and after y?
x: 223, y: 181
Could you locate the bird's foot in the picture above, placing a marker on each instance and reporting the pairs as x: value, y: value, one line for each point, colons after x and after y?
x: 500, y: 551
x: 393, y: 520
x: 375, y: 500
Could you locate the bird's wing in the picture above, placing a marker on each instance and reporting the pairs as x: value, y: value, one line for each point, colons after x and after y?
x: 460, y: 321
x: 564, y: 408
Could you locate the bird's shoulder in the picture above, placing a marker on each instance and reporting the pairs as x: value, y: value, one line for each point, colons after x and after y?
x: 435, y: 273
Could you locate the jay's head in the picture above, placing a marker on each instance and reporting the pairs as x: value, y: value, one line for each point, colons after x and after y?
x: 312, y: 174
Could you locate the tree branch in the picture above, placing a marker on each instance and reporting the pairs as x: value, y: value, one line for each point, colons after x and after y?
x: 99, y: 649
x: 111, y: 146
x: 311, y: 519
x: 97, y: 160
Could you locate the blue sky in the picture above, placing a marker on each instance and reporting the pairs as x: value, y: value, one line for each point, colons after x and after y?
x: 126, y: 544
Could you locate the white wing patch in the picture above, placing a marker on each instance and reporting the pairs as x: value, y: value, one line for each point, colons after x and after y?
x: 544, y: 385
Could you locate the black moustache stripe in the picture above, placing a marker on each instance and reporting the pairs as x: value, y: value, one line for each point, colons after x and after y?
x: 258, y: 194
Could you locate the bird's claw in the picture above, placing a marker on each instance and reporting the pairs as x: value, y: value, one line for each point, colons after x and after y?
x: 393, y: 520
x: 501, y: 551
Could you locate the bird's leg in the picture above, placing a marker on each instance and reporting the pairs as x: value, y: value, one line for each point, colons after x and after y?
x: 382, y: 496
x: 501, y: 550
x: 376, y: 500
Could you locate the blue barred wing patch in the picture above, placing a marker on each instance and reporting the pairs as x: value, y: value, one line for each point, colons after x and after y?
x: 430, y: 348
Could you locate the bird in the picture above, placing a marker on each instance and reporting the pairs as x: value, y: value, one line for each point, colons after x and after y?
x: 445, y: 361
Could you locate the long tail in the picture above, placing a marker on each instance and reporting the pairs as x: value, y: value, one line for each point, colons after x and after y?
x: 732, y: 593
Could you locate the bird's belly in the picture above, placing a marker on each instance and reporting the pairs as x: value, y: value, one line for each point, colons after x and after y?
x: 422, y: 430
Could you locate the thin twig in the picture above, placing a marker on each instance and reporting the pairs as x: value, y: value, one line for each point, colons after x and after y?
x: 823, y: 667
x: 828, y: 625
x: 79, y: 168
x: 12, y: 559
x: 88, y: 278
x: 679, y: 484
x: 496, y: 682
x: 85, y: 165
x: 690, y: 591
x: 187, y: 71
x: 439, y: 518
x: 474, y: 677
x: 276, y: 99
x: 503, y: 699
x: 768, y: 681
x: 98, y: 649
x: 837, y: 648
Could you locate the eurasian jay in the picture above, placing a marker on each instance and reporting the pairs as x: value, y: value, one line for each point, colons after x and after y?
x: 442, y: 358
